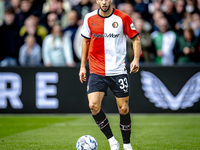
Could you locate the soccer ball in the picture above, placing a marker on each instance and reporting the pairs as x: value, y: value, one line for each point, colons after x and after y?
x: 86, y: 142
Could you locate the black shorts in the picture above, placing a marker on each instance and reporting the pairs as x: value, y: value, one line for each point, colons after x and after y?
x: 118, y: 84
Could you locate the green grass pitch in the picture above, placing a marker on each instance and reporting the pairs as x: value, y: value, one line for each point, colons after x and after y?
x: 61, y: 132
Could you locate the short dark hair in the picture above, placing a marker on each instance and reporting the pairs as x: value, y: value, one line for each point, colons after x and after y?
x: 190, y: 30
x: 26, y: 0
x: 9, y: 11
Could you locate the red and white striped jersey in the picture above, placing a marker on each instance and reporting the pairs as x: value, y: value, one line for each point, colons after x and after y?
x: 107, y: 49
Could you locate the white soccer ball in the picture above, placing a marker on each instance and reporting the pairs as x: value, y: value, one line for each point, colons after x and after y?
x: 86, y: 142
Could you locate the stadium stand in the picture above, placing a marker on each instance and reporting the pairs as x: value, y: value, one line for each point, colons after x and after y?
x: 183, y: 17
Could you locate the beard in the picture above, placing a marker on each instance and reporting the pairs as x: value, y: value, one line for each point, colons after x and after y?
x: 106, y: 9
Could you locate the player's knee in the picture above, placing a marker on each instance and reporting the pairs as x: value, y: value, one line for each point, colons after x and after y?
x: 123, y: 110
x: 94, y: 108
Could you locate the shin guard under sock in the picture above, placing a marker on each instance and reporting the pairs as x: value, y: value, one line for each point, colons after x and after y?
x: 102, y: 122
x: 125, y: 126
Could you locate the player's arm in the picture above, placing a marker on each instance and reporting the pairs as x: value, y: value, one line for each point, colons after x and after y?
x: 134, y: 66
x: 84, y: 56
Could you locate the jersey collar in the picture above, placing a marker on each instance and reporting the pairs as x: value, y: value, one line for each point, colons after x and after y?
x: 106, y: 16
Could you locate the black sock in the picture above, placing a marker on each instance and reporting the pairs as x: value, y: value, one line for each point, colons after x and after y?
x: 102, y: 122
x: 125, y: 126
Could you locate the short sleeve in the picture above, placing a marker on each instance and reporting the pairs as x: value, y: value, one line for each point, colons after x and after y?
x: 129, y: 27
x: 86, y: 33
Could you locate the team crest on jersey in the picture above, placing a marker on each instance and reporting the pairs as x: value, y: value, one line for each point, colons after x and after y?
x: 115, y: 24
x: 132, y: 26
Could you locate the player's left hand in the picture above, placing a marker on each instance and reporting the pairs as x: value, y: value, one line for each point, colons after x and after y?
x: 134, y: 66
x: 82, y: 75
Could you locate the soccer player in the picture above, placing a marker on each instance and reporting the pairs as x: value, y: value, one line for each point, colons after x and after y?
x: 104, y: 31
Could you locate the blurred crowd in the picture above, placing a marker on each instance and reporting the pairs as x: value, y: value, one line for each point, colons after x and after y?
x: 48, y: 32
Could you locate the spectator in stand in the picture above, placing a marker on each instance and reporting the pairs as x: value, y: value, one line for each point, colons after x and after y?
x: 165, y: 43
x: 198, y: 6
x: 2, y: 6
x: 135, y: 15
x: 32, y: 27
x: 74, y: 2
x: 129, y: 44
x: 9, y: 40
x: 94, y: 7
x: 51, y: 6
x: 141, y: 7
x: 146, y: 28
x: 188, y: 48
x: 82, y: 8
x: 118, y: 3
x: 70, y: 31
x: 92, y: 1
x: 127, y: 8
x: 154, y: 6
x: 78, y: 39
x: 180, y: 9
x: 195, y: 24
x: 170, y: 14
x: 190, y: 6
x: 157, y: 15
x: 37, y: 6
x: 25, y: 7
x: 146, y: 41
x: 30, y: 52
x: 184, y: 23
x: 62, y: 14
x: 56, y: 49
x: 15, y: 5
x: 50, y: 21
x: 58, y: 7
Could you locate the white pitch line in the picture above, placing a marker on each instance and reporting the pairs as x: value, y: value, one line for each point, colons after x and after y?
x: 117, y: 124
x: 60, y: 124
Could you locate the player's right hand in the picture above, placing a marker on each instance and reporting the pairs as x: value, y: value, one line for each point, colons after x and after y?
x: 82, y: 75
